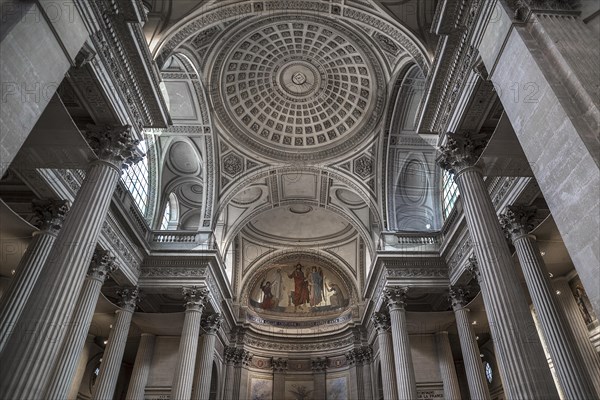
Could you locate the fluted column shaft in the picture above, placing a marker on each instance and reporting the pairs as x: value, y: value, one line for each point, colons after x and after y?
x: 66, y: 364
x: 205, y: 357
x: 81, y: 368
x: 523, y: 366
x: 478, y: 387
x: 279, y: 367
x: 367, y: 376
x: 353, y: 391
x: 386, y: 356
x: 246, y: 361
x: 230, y: 353
x: 388, y: 373
x: 113, y: 356
x: 319, y: 367
x: 447, y: 368
x: 33, y: 347
x: 405, y: 372
x: 579, y: 328
x: 13, y: 301
x: 184, y: 370
x: 32, y: 350
x: 574, y: 377
x: 141, y: 367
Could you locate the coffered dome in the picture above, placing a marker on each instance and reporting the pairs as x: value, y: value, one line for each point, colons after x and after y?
x: 298, y: 87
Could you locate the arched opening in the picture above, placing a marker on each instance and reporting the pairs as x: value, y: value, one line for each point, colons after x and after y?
x: 170, y: 219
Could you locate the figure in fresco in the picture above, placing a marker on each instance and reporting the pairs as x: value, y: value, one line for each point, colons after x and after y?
x: 300, y: 294
x: 316, y: 286
x: 337, y: 298
x: 267, y: 302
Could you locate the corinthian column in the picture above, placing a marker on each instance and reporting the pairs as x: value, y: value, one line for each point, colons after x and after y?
x: 319, y: 368
x: 366, y: 357
x: 32, y: 350
x: 386, y: 358
x: 523, y: 367
x: 113, y: 354
x: 195, y: 300
x: 230, y: 373
x: 246, y: 362
x: 579, y: 327
x: 210, y: 326
x: 66, y: 365
x: 352, y: 361
x: 573, y: 374
x: 141, y: 367
x: 478, y: 387
x: 447, y: 368
x: 50, y: 215
x: 279, y: 366
x: 405, y: 372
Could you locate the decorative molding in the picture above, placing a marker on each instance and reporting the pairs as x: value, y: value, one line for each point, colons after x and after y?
x: 101, y: 266
x: 50, y: 214
x: 129, y: 298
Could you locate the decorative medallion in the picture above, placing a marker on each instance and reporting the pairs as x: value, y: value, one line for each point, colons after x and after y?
x: 298, y: 87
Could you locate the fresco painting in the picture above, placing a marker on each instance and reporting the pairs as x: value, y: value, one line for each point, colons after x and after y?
x: 299, y: 288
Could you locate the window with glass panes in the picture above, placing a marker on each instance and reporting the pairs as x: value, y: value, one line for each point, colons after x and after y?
x: 449, y: 192
x: 135, y: 179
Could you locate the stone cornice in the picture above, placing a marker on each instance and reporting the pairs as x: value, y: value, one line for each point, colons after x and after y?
x: 116, y: 35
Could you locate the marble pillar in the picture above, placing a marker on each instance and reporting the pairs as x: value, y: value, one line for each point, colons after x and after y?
x: 50, y: 216
x: 478, y: 387
x: 319, y: 368
x: 246, y: 361
x: 366, y: 358
x: 405, y: 372
x: 572, y: 372
x: 381, y: 322
x: 66, y: 365
x: 210, y: 326
x: 195, y: 300
x: 579, y: 327
x: 523, y: 366
x: 32, y: 349
x: 230, y: 359
x: 81, y: 369
x: 352, y: 361
x: 141, y: 367
x: 447, y: 368
x: 279, y: 366
x: 113, y: 353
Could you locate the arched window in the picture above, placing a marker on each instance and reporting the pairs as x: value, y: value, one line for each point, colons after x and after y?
x: 135, y: 179
x: 170, y: 219
x: 449, y: 193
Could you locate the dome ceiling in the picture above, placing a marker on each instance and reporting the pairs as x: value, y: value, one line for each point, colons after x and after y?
x: 297, y: 87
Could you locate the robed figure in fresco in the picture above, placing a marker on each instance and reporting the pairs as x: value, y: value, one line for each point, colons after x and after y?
x: 300, y: 295
x: 316, y: 286
x: 267, y: 302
